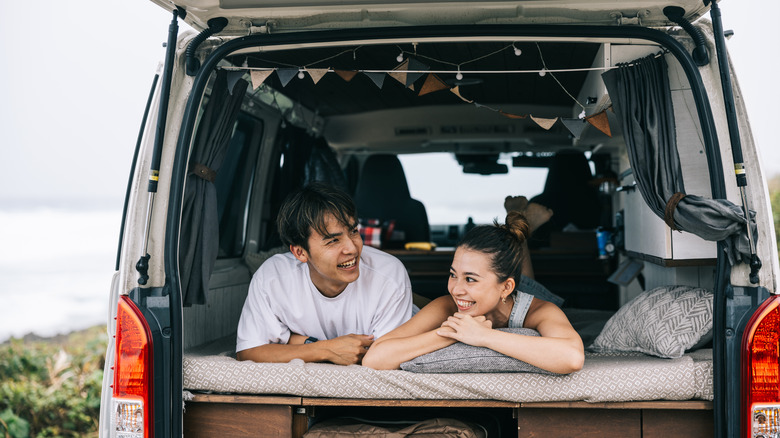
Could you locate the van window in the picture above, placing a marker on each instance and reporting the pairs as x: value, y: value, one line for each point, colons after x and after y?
x: 234, y: 184
x: 451, y: 196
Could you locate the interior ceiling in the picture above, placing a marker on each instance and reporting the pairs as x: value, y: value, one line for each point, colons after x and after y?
x: 332, y: 95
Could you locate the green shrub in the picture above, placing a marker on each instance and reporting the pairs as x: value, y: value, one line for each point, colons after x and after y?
x: 52, y: 389
x: 774, y: 196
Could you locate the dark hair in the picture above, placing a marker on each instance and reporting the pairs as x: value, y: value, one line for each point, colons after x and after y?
x: 502, y: 243
x: 306, y: 208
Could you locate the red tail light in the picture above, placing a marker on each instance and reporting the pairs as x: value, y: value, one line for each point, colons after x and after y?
x: 761, y: 371
x: 132, y: 401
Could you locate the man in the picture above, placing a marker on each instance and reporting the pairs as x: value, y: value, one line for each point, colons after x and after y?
x: 329, y: 297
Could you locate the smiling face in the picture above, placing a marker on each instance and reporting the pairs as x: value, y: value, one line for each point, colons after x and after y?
x: 334, y: 258
x: 473, y: 285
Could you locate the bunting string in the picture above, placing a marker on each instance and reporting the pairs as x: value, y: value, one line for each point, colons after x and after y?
x: 332, y: 70
x: 552, y: 74
x: 411, y: 69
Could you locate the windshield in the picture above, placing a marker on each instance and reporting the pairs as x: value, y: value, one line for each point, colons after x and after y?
x: 451, y: 196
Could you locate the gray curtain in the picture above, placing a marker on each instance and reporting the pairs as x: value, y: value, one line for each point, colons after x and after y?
x: 642, y: 101
x: 199, y: 240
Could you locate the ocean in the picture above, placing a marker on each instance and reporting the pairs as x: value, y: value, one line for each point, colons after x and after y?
x: 55, y: 268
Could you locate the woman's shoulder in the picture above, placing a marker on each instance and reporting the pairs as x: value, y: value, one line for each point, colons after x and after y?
x: 540, y: 311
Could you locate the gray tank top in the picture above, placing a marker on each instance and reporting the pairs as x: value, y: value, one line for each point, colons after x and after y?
x: 520, y: 309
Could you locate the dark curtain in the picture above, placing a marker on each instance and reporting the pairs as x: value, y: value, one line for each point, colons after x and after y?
x: 305, y: 159
x: 642, y: 101
x: 323, y: 166
x: 199, y: 240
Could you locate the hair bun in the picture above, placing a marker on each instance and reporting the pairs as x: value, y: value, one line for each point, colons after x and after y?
x: 517, y: 224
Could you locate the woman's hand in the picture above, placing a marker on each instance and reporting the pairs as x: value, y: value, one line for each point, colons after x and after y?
x: 468, y: 329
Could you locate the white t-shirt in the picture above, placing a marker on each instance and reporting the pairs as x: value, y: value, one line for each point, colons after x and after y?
x: 283, y: 299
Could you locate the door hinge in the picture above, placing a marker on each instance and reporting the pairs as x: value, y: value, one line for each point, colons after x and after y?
x: 627, y: 20
x: 252, y: 29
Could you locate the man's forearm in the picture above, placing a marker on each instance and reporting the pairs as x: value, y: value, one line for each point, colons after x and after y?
x: 283, y: 353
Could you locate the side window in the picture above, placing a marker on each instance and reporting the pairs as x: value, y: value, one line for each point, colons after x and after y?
x: 234, y: 185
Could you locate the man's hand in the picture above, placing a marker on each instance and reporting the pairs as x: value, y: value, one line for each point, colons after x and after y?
x: 346, y: 350
x: 466, y: 328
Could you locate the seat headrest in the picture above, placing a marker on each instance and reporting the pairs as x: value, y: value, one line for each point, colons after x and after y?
x: 569, y: 169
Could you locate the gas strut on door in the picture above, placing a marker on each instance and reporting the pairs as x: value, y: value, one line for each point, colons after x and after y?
x: 142, y: 266
x: 736, y: 145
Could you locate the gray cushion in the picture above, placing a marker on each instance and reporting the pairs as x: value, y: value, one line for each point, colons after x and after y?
x: 664, y: 322
x: 536, y: 289
x: 465, y: 358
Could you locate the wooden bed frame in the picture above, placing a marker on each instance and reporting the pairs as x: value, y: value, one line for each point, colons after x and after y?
x: 227, y: 416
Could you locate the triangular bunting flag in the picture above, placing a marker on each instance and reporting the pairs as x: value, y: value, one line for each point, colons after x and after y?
x: 415, y: 65
x: 432, y: 83
x: 316, y: 73
x: 512, y: 116
x: 286, y: 74
x: 232, y: 78
x: 400, y: 76
x: 456, y: 91
x: 600, y: 122
x: 259, y: 76
x: 377, y: 78
x: 544, y: 123
x: 411, y: 87
x: 347, y: 75
x: 575, y: 126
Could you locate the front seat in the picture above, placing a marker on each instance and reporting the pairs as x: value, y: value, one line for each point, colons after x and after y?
x: 383, y: 193
x: 569, y: 193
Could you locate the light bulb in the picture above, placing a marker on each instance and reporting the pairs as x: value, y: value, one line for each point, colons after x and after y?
x: 301, y: 75
x: 518, y: 52
x: 459, y: 75
x: 542, y: 72
x: 582, y: 114
x: 400, y: 57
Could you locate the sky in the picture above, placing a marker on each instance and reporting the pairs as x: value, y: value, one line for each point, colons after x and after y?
x: 74, y: 91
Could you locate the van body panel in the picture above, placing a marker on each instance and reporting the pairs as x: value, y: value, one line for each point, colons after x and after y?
x: 757, y: 190
x: 140, y: 196
x: 760, y: 201
x: 619, y: 35
x: 274, y: 16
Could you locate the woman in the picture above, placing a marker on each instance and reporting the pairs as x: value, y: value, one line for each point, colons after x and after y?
x: 486, y: 267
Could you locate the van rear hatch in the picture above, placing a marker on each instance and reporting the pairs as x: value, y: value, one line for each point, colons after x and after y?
x: 278, y: 15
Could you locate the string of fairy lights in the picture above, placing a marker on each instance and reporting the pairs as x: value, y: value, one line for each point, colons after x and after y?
x: 411, y: 68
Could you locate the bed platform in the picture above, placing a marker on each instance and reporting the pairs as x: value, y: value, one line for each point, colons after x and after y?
x: 625, y: 395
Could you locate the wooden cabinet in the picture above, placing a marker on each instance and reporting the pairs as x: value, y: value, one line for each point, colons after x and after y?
x: 582, y: 423
x: 227, y: 416
x: 655, y: 419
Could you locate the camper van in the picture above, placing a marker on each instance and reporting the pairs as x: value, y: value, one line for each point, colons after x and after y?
x: 624, y: 118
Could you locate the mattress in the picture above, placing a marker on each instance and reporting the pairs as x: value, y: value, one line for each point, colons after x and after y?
x: 603, y: 378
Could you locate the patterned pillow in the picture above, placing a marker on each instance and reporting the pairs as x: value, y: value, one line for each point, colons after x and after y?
x: 465, y: 358
x: 664, y: 322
